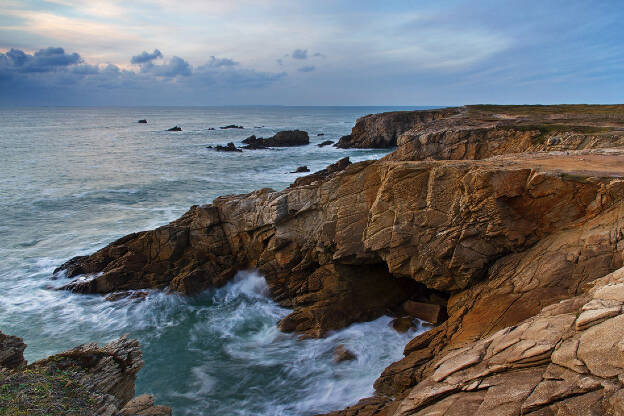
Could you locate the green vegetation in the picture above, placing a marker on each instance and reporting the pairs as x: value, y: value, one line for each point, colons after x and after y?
x: 44, y: 391
x: 612, y: 110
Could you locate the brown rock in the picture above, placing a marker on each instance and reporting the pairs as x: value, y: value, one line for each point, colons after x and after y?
x: 341, y: 353
x: 11, y: 351
x: 402, y: 324
x: 428, y: 312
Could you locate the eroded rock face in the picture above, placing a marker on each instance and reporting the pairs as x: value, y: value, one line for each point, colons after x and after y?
x: 477, y: 132
x: 566, y: 359
x: 441, y: 224
x: 382, y: 130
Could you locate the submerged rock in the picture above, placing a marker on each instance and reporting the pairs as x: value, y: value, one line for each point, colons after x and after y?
x: 301, y: 169
x: 231, y: 126
x: 402, y: 324
x: 130, y: 294
x: 341, y: 353
x: 142, y: 121
x: 176, y: 128
x: 227, y: 148
x: 321, y: 134
x: 325, y: 143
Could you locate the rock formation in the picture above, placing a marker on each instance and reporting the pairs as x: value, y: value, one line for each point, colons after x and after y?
x: 286, y: 138
x: 512, y: 213
x: 230, y: 147
x: 95, y: 380
x: 11, y: 351
x: 382, y: 130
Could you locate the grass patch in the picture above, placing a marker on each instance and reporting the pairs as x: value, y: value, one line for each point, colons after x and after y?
x: 611, y: 110
x: 44, y: 391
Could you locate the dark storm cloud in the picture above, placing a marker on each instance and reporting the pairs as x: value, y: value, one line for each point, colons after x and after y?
x: 51, y: 76
x: 44, y: 60
x: 300, y: 54
x: 145, y: 57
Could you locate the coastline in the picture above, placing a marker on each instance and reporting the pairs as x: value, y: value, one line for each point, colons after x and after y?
x: 504, y: 211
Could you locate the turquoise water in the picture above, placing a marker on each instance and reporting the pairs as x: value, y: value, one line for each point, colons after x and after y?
x: 74, y: 179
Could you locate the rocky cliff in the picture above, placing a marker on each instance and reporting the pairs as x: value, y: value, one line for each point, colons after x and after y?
x: 505, y: 211
x: 87, y: 380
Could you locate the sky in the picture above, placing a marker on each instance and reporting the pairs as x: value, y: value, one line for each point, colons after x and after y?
x: 300, y: 52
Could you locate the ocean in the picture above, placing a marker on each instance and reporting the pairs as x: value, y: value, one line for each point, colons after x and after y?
x: 73, y: 179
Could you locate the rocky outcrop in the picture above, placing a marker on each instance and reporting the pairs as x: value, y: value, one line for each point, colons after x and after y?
x: 287, y: 138
x: 97, y: 380
x: 567, y: 359
x: 478, y: 132
x: 441, y: 224
x: 382, y: 130
x: 11, y: 351
x: 230, y: 147
x: 505, y: 211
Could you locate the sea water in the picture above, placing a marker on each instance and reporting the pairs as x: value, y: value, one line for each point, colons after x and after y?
x: 74, y: 179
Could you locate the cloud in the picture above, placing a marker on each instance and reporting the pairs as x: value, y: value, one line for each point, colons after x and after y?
x: 175, y: 67
x: 300, y: 54
x: 44, y: 60
x: 307, y: 68
x: 52, y: 76
x: 319, y: 55
x: 221, y: 62
x: 145, y: 57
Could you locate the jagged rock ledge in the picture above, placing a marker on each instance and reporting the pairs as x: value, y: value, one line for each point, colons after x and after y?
x: 87, y: 380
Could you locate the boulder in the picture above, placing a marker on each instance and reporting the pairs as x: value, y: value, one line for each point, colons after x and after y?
x: 142, y: 121
x: 175, y: 128
x: 11, y: 351
x: 341, y: 353
x: 231, y: 126
x: 402, y: 324
x: 301, y: 169
x: 325, y: 143
x: 428, y: 312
